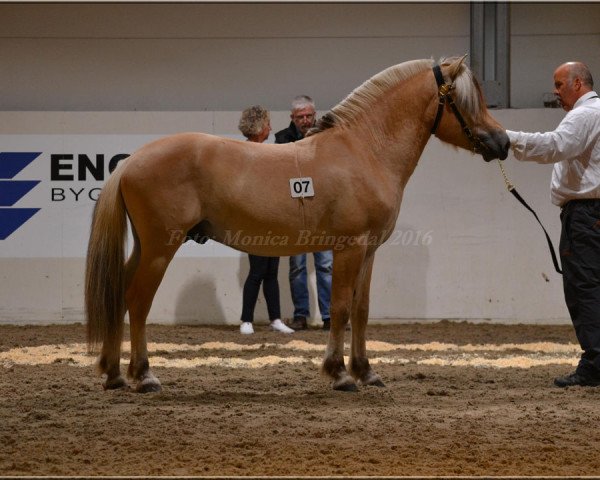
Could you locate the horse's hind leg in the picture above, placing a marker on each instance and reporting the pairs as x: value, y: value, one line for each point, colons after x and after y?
x: 346, y: 267
x: 110, y: 358
x: 145, y: 279
x: 109, y: 361
x: 359, y: 363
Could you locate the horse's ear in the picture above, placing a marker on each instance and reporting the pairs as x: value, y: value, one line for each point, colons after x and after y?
x: 455, y: 67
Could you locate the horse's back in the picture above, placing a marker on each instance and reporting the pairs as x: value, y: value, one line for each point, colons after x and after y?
x: 192, y: 176
x: 192, y: 149
x: 174, y: 150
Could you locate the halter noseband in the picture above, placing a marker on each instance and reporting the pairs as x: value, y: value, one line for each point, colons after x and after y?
x: 444, y: 90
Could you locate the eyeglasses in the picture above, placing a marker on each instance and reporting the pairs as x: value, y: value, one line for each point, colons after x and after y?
x: 310, y: 116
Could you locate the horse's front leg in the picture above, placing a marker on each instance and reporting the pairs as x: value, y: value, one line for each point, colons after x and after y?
x: 359, y: 363
x: 346, y: 267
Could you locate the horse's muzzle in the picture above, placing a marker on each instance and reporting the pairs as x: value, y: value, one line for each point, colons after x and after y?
x: 496, y: 143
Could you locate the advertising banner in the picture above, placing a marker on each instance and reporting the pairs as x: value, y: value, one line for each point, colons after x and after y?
x: 48, y: 187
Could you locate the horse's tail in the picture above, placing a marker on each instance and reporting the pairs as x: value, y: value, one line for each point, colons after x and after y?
x: 105, y: 265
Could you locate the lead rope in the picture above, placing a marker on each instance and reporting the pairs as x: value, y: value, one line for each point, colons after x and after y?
x: 510, y: 187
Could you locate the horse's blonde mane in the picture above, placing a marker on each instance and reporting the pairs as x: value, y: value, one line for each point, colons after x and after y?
x: 467, y: 92
x: 361, y: 99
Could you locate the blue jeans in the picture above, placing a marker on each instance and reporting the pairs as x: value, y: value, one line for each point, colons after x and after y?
x: 299, y: 286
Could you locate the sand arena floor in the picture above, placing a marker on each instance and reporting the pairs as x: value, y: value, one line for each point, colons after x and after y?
x: 461, y: 400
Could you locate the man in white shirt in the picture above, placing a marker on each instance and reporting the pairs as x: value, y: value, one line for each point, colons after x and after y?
x: 574, y: 149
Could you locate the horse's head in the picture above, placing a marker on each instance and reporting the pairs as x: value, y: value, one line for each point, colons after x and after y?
x: 462, y: 117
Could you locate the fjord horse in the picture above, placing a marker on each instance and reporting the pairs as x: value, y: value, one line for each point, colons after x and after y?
x: 359, y: 157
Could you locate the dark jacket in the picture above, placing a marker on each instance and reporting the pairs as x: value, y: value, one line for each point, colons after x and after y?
x: 288, y: 135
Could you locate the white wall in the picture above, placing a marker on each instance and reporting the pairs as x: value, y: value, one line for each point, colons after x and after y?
x: 195, y: 57
x: 92, y: 72
x: 544, y: 35
x: 465, y: 249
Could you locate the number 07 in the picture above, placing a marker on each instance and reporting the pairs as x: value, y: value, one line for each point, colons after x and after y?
x: 302, y: 187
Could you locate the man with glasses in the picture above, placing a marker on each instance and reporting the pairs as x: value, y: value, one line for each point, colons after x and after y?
x: 303, y: 118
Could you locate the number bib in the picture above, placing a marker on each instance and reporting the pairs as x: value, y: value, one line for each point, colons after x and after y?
x: 302, y: 187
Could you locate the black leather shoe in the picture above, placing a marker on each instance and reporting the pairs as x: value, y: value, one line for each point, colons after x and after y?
x: 298, y: 323
x: 577, y: 379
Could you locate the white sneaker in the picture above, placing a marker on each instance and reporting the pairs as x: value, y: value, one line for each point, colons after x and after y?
x: 246, y: 328
x: 279, y: 326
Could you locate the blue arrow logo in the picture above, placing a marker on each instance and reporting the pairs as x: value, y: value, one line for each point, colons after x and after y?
x: 12, y: 163
x: 11, y: 191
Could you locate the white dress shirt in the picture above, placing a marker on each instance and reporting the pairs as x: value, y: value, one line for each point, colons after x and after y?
x: 574, y: 148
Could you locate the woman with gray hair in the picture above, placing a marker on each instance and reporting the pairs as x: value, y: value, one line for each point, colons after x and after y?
x: 255, y: 125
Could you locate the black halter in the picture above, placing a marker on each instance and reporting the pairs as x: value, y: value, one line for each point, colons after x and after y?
x: 444, y: 90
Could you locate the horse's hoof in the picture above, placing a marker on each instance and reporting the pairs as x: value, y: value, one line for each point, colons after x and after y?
x: 371, y: 379
x: 115, y: 383
x: 377, y: 383
x: 148, y: 388
x: 345, y: 387
x: 148, y: 385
